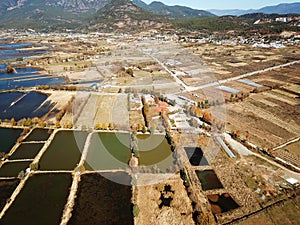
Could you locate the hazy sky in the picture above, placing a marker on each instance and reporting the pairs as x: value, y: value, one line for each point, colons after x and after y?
x: 224, y: 4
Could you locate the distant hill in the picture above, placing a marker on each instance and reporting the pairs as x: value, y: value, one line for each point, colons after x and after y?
x: 245, y: 24
x: 67, y: 5
x: 286, y: 8
x: 174, y: 12
x: 124, y: 15
x: 47, y: 14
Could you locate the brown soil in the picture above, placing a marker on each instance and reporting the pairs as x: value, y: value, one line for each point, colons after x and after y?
x: 149, y: 200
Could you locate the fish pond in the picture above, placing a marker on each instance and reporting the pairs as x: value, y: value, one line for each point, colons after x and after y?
x: 108, y: 151
x: 209, y: 180
x: 20, y: 105
x: 39, y: 135
x: 154, y: 150
x: 10, y: 136
x: 196, y: 156
x: 41, y: 201
x: 12, y: 169
x: 10, y: 50
x: 26, y: 77
x: 64, y: 152
x: 26, y: 151
x: 222, y: 203
x: 7, y: 187
x: 103, y: 201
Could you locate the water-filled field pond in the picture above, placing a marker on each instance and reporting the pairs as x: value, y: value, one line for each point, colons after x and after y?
x: 39, y: 135
x: 10, y: 50
x: 12, y: 169
x: 195, y: 156
x: 154, y: 150
x: 7, y: 187
x: 20, y: 105
x: 26, y: 151
x: 41, y: 201
x: 108, y: 151
x: 10, y: 136
x: 222, y: 203
x: 103, y: 201
x: 26, y: 77
x: 64, y: 152
x: 209, y: 180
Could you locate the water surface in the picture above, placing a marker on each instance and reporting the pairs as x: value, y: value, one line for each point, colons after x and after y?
x: 8, y: 137
x: 41, y: 201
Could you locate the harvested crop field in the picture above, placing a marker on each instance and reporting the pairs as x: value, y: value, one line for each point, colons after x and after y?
x: 105, y: 109
x: 266, y: 121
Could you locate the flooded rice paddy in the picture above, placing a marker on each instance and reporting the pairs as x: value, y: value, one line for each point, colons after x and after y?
x: 209, y: 180
x: 41, y: 201
x: 12, y: 169
x: 10, y: 136
x: 64, y: 152
x: 102, y: 201
x: 108, y: 151
x: 26, y: 151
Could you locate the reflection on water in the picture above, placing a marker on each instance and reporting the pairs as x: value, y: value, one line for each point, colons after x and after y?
x: 12, y: 169
x: 20, y: 105
x: 209, y: 180
x: 108, y: 151
x: 10, y: 136
x: 41, y: 201
x: 64, y: 152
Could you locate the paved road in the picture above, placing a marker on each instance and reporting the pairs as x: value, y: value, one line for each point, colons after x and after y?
x: 216, y: 83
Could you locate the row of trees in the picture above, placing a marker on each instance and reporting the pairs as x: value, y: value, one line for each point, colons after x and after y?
x: 104, y: 126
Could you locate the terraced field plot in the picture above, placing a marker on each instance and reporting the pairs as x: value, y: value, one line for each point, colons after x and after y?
x: 268, y: 119
x: 105, y: 109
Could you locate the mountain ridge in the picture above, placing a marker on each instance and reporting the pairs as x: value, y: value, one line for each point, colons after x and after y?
x: 124, y: 15
x: 283, y: 8
x: 173, y: 12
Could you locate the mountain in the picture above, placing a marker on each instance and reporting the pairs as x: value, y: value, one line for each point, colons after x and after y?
x: 123, y: 15
x: 67, y: 5
x: 286, y: 8
x: 174, y: 12
x: 6, y: 4
x: 47, y: 14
